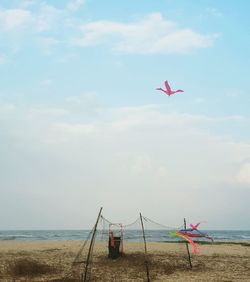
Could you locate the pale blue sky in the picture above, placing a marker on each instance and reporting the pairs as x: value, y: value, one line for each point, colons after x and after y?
x: 82, y: 126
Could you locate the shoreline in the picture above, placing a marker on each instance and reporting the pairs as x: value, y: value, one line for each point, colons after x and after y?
x: 218, y: 242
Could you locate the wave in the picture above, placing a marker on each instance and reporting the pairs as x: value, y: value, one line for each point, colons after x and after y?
x: 14, y: 237
x: 130, y: 235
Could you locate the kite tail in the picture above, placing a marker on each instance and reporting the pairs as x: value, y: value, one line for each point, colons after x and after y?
x: 190, y: 241
x: 204, y: 234
x: 210, y: 238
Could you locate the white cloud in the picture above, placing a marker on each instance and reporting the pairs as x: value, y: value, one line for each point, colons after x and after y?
x: 15, y: 19
x: 47, y: 17
x: 152, y: 115
x: 30, y: 26
x: 122, y: 152
x: 244, y: 174
x: 75, y: 5
x: 151, y: 35
x: 48, y: 112
x: 6, y: 108
x: 140, y: 163
x: 67, y: 130
x: 85, y: 104
x: 44, y: 18
x: 83, y: 99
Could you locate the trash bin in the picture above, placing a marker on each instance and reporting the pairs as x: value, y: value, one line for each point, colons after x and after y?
x: 114, y: 247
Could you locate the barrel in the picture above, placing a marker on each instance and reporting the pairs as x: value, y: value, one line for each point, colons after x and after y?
x: 114, y: 249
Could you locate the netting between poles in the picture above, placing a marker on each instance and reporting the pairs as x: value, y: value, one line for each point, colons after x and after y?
x: 118, y: 245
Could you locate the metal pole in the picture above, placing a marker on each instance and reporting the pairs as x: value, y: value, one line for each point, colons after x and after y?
x: 91, y: 246
x: 145, y: 249
x: 189, y: 257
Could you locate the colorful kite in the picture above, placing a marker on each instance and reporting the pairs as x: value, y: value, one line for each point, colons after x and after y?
x: 168, y: 90
x: 186, y: 237
x: 187, y: 233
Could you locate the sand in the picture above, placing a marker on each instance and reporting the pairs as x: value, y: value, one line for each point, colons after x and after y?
x: 52, y: 261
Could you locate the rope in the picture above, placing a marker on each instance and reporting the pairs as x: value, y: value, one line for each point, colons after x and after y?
x: 159, y: 224
x: 109, y: 222
x: 127, y: 225
x: 118, y: 224
x: 83, y: 246
x: 146, y: 219
x: 68, y: 273
x: 103, y: 228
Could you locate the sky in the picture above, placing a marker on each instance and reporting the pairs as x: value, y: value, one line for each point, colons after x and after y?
x: 82, y: 125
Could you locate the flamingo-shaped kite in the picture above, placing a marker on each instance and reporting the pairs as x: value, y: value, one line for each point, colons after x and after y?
x: 168, y: 90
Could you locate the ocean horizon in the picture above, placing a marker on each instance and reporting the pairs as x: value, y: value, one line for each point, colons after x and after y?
x: 129, y: 235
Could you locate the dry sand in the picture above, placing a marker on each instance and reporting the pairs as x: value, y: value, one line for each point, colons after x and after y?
x: 52, y: 261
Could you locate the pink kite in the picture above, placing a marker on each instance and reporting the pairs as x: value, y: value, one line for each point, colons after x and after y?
x: 194, y: 226
x: 168, y: 90
x: 201, y: 234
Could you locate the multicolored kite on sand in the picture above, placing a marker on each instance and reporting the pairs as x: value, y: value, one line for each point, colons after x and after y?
x: 193, y: 232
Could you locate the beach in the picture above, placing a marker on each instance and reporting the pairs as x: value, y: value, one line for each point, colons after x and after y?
x: 52, y: 261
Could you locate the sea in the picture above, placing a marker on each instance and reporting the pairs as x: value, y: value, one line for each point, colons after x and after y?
x: 129, y: 235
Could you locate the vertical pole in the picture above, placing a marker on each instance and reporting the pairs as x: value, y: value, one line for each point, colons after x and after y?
x: 189, y: 258
x: 91, y: 247
x: 145, y: 249
x: 122, y: 239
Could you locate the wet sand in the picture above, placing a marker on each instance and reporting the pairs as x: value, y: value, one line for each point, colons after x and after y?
x: 52, y: 261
